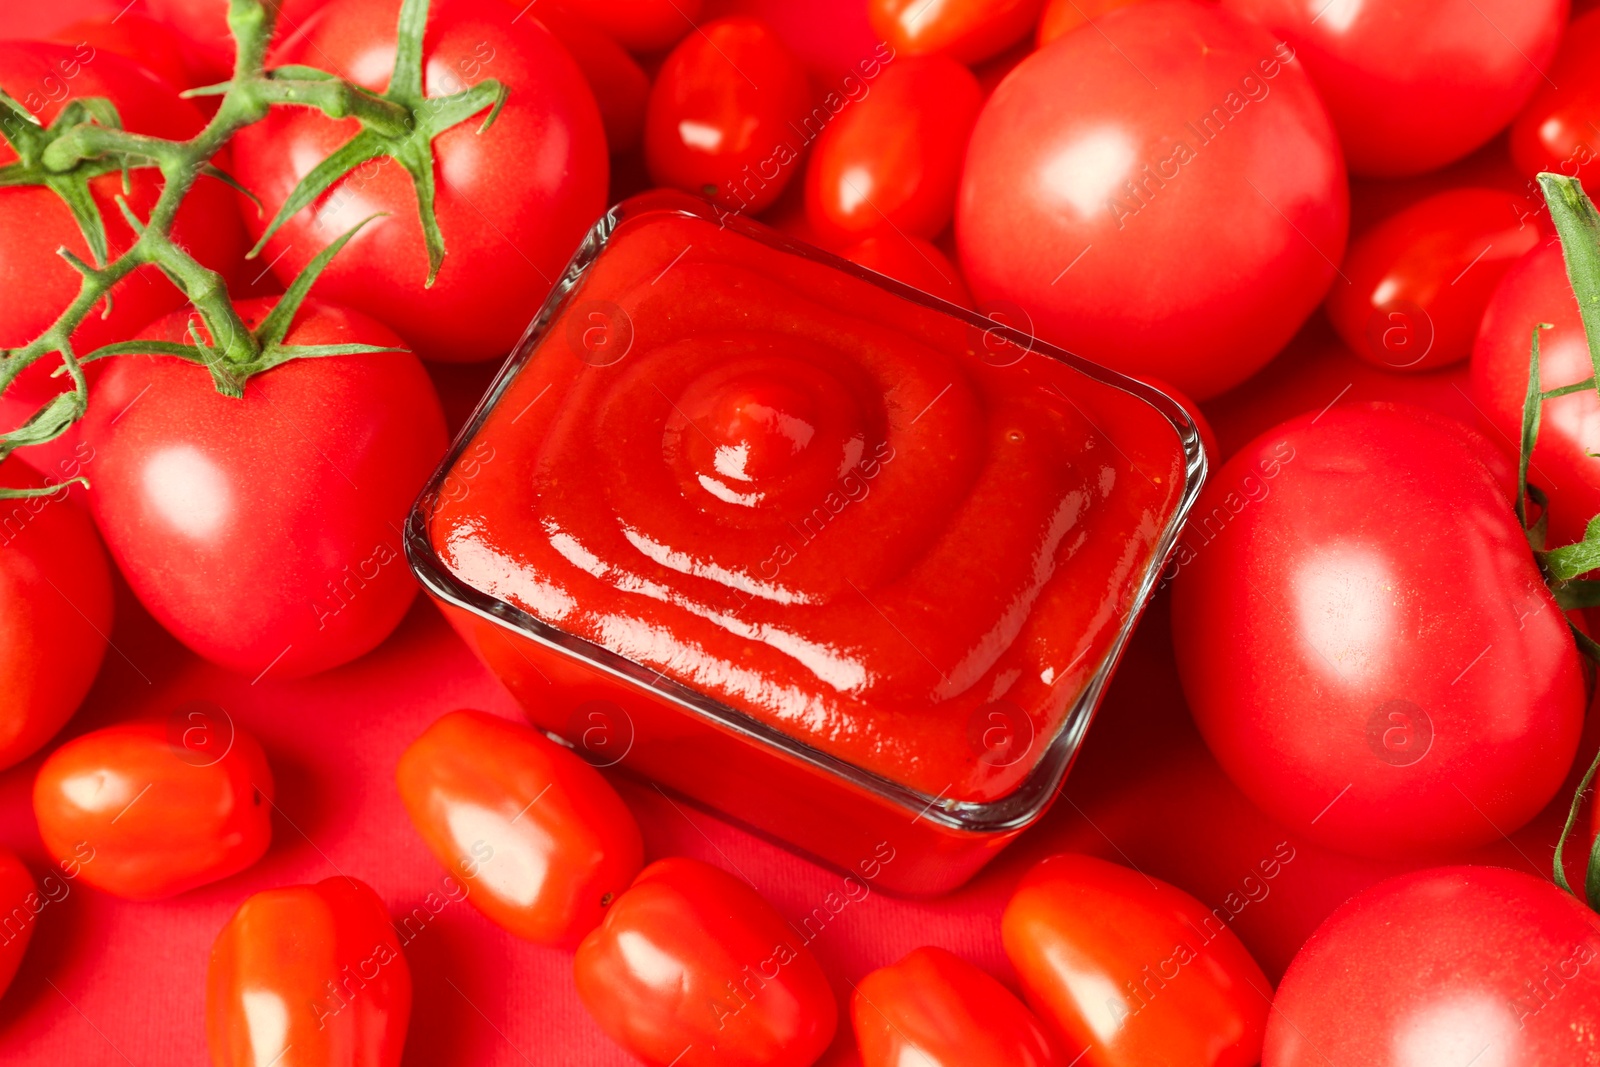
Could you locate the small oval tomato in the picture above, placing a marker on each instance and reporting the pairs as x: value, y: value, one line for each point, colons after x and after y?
x: 1443, y: 966
x: 540, y: 835
x: 968, y: 30
x: 1133, y: 971
x: 889, y: 163
x: 55, y: 613
x: 640, y: 25
x: 914, y: 261
x: 713, y: 129
x: 693, y: 967
x: 18, y: 904
x: 1557, y: 130
x: 1413, y: 85
x: 1365, y: 640
x: 264, y: 532
x: 620, y: 86
x: 1415, y: 285
x: 1064, y: 16
x: 161, y: 817
x: 934, y: 1009
x: 308, y: 976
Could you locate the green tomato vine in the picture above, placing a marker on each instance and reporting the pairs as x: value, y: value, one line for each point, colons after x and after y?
x: 86, y: 141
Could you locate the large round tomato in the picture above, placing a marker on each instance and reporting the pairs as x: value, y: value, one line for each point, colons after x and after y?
x: 1413, y: 84
x: 1559, y: 130
x: 968, y: 30
x: 18, y: 897
x: 512, y: 202
x: 1132, y: 971
x: 1454, y: 965
x: 1365, y: 640
x: 1183, y: 231
x: 55, y: 613
x: 264, y: 532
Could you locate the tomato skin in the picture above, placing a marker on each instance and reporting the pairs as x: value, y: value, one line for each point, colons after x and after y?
x: 889, y: 164
x: 323, y: 962
x: 967, y: 30
x: 264, y: 532
x: 709, y: 940
x: 1419, y: 280
x: 1086, y: 935
x: 1439, y: 965
x: 512, y: 202
x: 620, y: 86
x: 1365, y: 641
x: 737, y: 148
x: 1063, y: 16
x: 55, y: 613
x: 1556, y: 130
x: 202, y: 26
x: 914, y: 261
x: 18, y: 894
x: 1413, y: 85
x: 162, y: 819
x: 640, y: 25
x: 137, y: 38
x: 935, y: 1009
x: 561, y: 845
x: 1198, y: 279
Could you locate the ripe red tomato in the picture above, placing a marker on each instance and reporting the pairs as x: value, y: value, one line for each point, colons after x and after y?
x: 55, y: 613
x: 18, y: 897
x: 1365, y: 640
x: 162, y: 815
x: 640, y: 25
x: 1557, y: 129
x: 132, y: 36
x: 1415, y: 285
x: 620, y: 86
x: 265, y: 532
x: 1131, y: 970
x: 315, y: 969
x: 934, y: 1009
x: 889, y: 164
x: 693, y: 967
x: 1442, y: 966
x: 202, y: 26
x: 912, y: 260
x: 541, y: 838
x: 1414, y: 84
x: 968, y: 30
x: 1064, y: 16
x: 712, y: 130
x: 512, y: 202
x: 1185, y: 231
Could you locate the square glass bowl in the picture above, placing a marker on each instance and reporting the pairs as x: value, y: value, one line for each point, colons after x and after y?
x: 836, y: 558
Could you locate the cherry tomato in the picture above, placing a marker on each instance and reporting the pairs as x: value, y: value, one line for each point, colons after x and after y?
x: 1442, y: 966
x: 889, y: 163
x: 202, y: 26
x: 1414, y: 84
x: 1064, y: 16
x: 512, y: 201
x: 914, y: 261
x: 1557, y: 129
x: 132, y: 36
x: 1415, y: 285
x: 1131, y: 970
x: 18, y: 901
x: 640, y: 25
x: 55, y: 613
x: 1365, y: 640
x: 264, y: 533
x: 968, y: 30
x: 1185, y: 231
x: 308, y: 976
x: 620, y: 86
x: 162, y: 815
x: 712, y: 130
x: 934, y: 1009
x: 693, y: 967
x: 540, y: 835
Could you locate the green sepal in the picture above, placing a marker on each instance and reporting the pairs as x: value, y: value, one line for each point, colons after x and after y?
x: 1531, y: 405
x: 75, y: 193
x: 1570, y: 561
x: 1591, y: 885
x: 46, y: 424
x: 192, y: 353
x: 219, y: 89
x: 1578, y: 225
x: 275, y: 326
x: 14, y: 493
x: 363, y: 147
x: 1577, y: 593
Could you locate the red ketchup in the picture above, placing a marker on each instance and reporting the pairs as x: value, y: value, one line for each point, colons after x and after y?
x: 892, y: 552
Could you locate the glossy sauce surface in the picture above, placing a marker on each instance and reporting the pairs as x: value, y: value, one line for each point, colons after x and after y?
x: 858, y: 519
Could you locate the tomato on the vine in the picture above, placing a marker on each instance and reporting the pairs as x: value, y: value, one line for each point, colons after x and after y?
x: 264, y: 532
x: 1557, y: 130
x: 18, y: 897
x: 967, y: 30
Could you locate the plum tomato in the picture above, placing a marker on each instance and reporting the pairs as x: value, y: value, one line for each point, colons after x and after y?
x: 693, y: 967
x: 934, y: 1009
x: 640, y: 25
x: 712, y: 130
x: 540, y: 837
x: 1132, y: 971
x: 1185, y: 231
x: 55, y: 612
x: 620, y: 86
x: 1365, y: 640
x: 1559, y: 129
x: 264, y: 532
x: 1415, y: 285
x: 19, y: 899
x: 308, y: 976
x: 1414, y: 84
x: 164, y: 807
x: 967, y: 30
x: 1449, y: 965
x: 202, y: 27
x: 512, y: 201
x: 914, y: 261
x: 1063, y: 16
x: 889, y: 164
